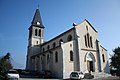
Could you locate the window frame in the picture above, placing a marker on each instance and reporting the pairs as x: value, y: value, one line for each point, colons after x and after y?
x: 40, y: 32
x: 48, y: 47
x: 86, y: 44
x: 91, y: 44
x: 54, y: 44
x: 103, y: 57
x: 88, y: 39
x: 71, y: 56
x: 56, y: 57
x: 69, y: 38
x: 35, y: 32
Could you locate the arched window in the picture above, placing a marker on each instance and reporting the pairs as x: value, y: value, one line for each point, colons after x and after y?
x: 60, y: 41
x: 48, y: 57
x: 43, y: 49
x: 40, y: 32
x: 54, y: 45
x: 35, y: 32
x: 71, y: 55
x: 91, y: 41
x: 36, y: 42
x: 86, y: 27
x: 69, y: 38
x: 48, y: 47
x: 88, y: 40
x: 56, y: 56
x: 103, y: 57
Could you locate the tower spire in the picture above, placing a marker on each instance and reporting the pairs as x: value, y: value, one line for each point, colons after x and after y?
x: 37, y: 21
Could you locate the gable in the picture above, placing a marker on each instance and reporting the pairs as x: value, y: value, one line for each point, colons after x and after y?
x: 85, y: 29
x: 91, y: 26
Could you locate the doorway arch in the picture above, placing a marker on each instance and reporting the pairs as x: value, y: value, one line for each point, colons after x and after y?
x: 90, y: 61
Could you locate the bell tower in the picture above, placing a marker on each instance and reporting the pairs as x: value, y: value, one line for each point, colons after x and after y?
x: 36, y: 37
x: 36, y: 30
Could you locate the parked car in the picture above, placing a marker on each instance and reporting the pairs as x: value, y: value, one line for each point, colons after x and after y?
x: 12, y: 74
x: 88, y: 76
x: 76, y: 75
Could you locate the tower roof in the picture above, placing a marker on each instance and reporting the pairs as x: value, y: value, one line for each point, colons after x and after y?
x: 37, y: 21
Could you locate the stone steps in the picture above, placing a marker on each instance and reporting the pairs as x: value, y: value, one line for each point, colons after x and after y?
x: 100, y: 75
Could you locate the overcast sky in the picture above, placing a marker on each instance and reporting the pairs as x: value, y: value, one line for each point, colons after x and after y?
x: 57, y: 17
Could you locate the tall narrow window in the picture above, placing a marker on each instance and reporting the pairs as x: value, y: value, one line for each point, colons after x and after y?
x: 103, y: 57
x: 91, y: 42
x: 43, y: 49
x: 71, y: 55
x: 48, y: 57
x: 87, y: 28
x: 48, y: 47
x: 36, y: 42
x: 88, y: 40
x: 56, y: 56
x: 85, y: 41
x: 54, y: 45
x: 40, y: 33
x: 35, y: 32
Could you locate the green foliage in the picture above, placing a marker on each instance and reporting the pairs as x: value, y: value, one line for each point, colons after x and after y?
x: 5, y: 63
x: 115, y: 59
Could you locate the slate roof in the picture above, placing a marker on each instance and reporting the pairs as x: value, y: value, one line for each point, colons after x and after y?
x: 37, y: 18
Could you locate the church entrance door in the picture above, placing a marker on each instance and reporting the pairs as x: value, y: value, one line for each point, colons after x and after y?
x: 90, y: 66
x: 90, y: 62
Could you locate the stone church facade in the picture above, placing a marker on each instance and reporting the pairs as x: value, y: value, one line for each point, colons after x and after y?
x: 77, y: 49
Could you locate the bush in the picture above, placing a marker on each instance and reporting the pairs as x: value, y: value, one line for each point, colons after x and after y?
x: 2, y: 76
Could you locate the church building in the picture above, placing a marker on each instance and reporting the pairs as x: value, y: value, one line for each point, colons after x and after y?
x: 77, y: 49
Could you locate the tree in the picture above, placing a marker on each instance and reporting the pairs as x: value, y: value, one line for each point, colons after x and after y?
x: 5, y: 63
x: 115, y: 60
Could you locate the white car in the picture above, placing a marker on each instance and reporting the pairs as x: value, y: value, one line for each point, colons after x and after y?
x: 12, y: 74
x: 76, y: 75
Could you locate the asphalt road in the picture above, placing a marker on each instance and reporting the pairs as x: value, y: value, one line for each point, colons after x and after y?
x: 35, y: 79
x: 69, y: 79
x: 109, y: 78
